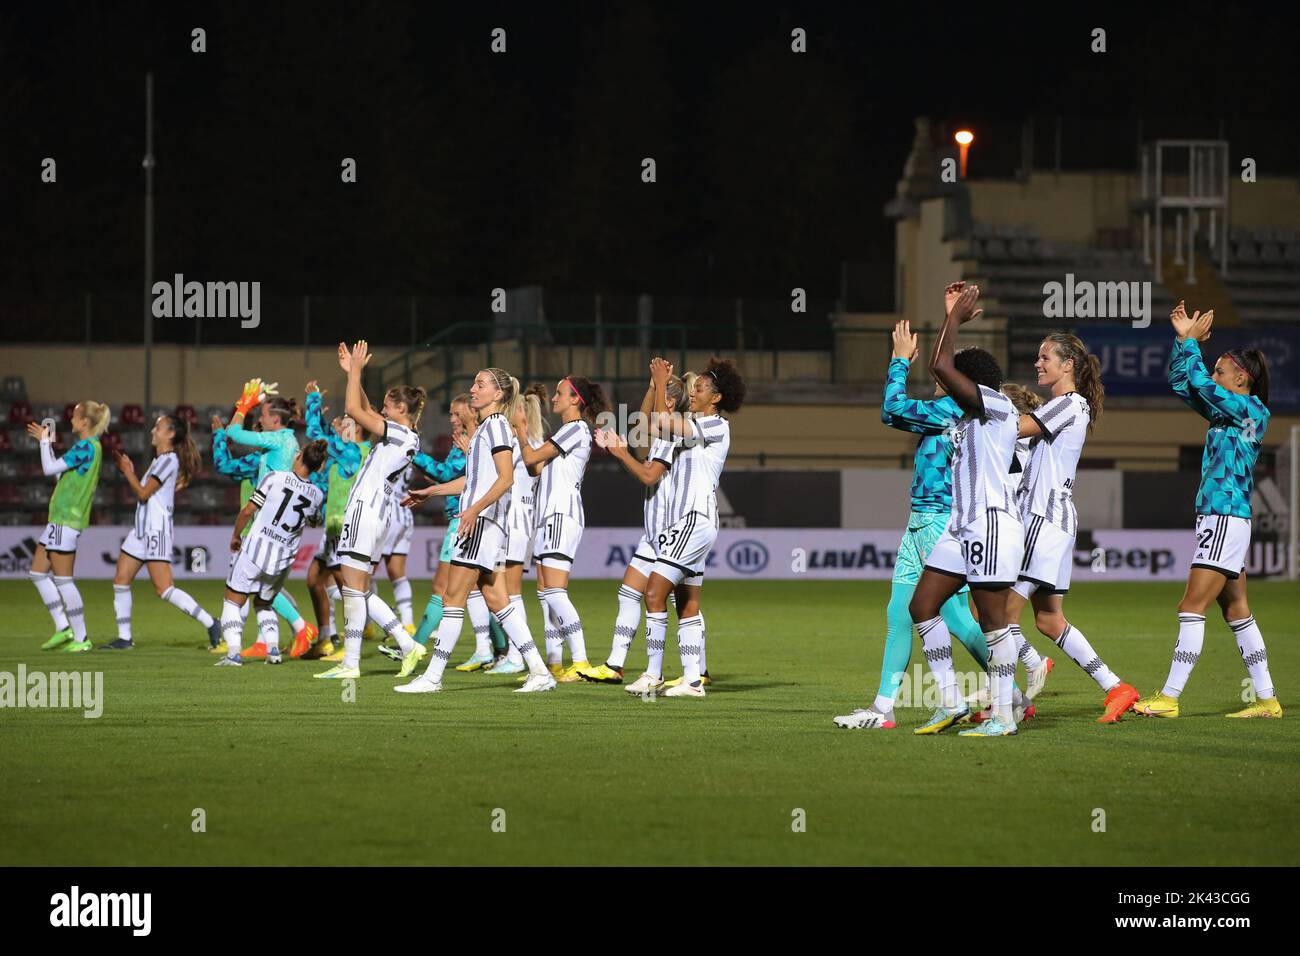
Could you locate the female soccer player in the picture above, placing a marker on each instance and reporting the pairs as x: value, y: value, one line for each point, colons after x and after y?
x: 346, y: 453
x: 176, y: 461
x: 1235, y: 402
x: 560, y: 519
x: 934, y: 422
x: 682, y: 548
x: 666, y: 393
x: 1057, y: 430
x: 74, y: 494
x: 284, y: 503
x: 984, y: 541
x: 365, y: 517
x: 481, y: 537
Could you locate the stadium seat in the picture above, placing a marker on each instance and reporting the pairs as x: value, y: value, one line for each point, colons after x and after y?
x: 132, y: 415
x: 20, y: 413
x: 14, y: 388
x: 111, y: 442
x: 5, y: 444
x: 68, y: 409
x: 188, y: 413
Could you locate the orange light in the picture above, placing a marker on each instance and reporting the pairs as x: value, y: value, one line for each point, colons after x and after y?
x: 964, y: 137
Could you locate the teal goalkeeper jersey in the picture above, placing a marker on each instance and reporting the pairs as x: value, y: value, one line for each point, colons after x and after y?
x: 933, y: 421
x: 1237, y: 425
x: 279, y: 448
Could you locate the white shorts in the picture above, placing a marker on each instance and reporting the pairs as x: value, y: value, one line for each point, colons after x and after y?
x: 60, y: 539
x: 401, y: 526
x: 555, y: 543
x: 986, y: 553
x: 1048, y: 560
x: 483, y: 548
x: 360, y: 543
x: 247, y: 578
x: 682, y: 550
x: 643, y: 562
x: 327, y: 550
x: 1221, y: 544
x: 155, y: 544
x: 519, y: 531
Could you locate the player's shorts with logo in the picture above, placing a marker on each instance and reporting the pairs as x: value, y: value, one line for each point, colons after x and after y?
x: 1049, y: 557
x: 401, y: 526
x: 150, y: 542
x: 247, y: 577
x: 923, y: 529
x: 483, y: 548
x: 643, y: 562
x: 60, y: 539
x: 1221, y: 544
x: 986, y: 552
x: 327, y: 552
x: 449, y: 540
x: 364, y: 530
x: 555, y: 542
x: 682, y: 549
x: 519, y: 530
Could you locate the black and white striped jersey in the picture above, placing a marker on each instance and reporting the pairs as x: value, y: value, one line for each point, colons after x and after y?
x: 384, y: 467
x: 660, y: 510
x: 493, y: 434
x: 560, y: 489
x: 983, y: 449
x: 285, y: 505
x: 157, y: 510
x: 525, y: 484
x: 700, y: 459
x: 1047, y: 485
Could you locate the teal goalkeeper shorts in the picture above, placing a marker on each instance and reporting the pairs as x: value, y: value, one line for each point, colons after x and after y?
x: 923, y: 530
x: 449, y: 541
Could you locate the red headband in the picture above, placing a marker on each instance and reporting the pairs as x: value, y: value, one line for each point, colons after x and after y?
x: 581, y: 400
x: 1228, y: 356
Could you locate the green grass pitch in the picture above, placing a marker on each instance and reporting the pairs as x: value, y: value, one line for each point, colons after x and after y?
x: 286, y: 772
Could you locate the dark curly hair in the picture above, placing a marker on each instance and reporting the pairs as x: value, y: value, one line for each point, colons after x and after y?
x: 314, y: 454
x: 725, y: 378
x: 979, y: 366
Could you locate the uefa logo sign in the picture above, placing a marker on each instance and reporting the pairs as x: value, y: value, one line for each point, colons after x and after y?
x: 747, y: 557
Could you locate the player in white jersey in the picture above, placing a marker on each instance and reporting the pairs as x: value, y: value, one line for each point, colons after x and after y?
x: 365, y: 518
x: 559, y: 517
x: 984, y: 541
x: 520, y: 527
x: 283, y: 504
x: 1057, y: 431
x: 149, y: 544
x: 682, y: 548
x: 481, y: 538
x: 655, y: 473
x: 396, y: 545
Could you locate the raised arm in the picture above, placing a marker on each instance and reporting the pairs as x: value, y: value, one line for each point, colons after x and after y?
x: 963, y: 391
x: 78, y: 458
x: 647, y: 472
x: 441, y: 472
x: 127, y: 468
x: 317, y: 427
x: 899, y: 411
x: 355, y: 403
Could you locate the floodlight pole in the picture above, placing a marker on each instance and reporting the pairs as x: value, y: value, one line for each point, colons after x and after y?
x: 148, y: 243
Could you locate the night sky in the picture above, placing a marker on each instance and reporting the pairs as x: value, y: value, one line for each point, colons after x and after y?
x: 478, y: 170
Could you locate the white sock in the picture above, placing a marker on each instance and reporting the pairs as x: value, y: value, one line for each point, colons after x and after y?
x: 232, y: 626
x: 625, y: 625
x: 444, y: 641
x: 49, y: 593
x: 331, y: 625
x: 550, y: 630
x: 181, y: 600
x: 1028, y: 655
x: 122, y: 610
x: 512, y: 652
x: 656, y: 635
x: 354, y: 622
x: 570, y: 625
x: 478, y: 612
x: 704, y: 661
x: 383, y: 615
x: 1191, y: 638
x: 1076, y: 645
x: 72, y: 606
x: 514, y: 621
x: 1251, y: 644
x: 688, y: 646
x: 1002, y: 672
x: 402, y: 598
x: 268, y: 628
x: 936, y: 642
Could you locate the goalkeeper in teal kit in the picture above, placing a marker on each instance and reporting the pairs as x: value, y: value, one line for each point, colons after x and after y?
x: 931, y: 505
